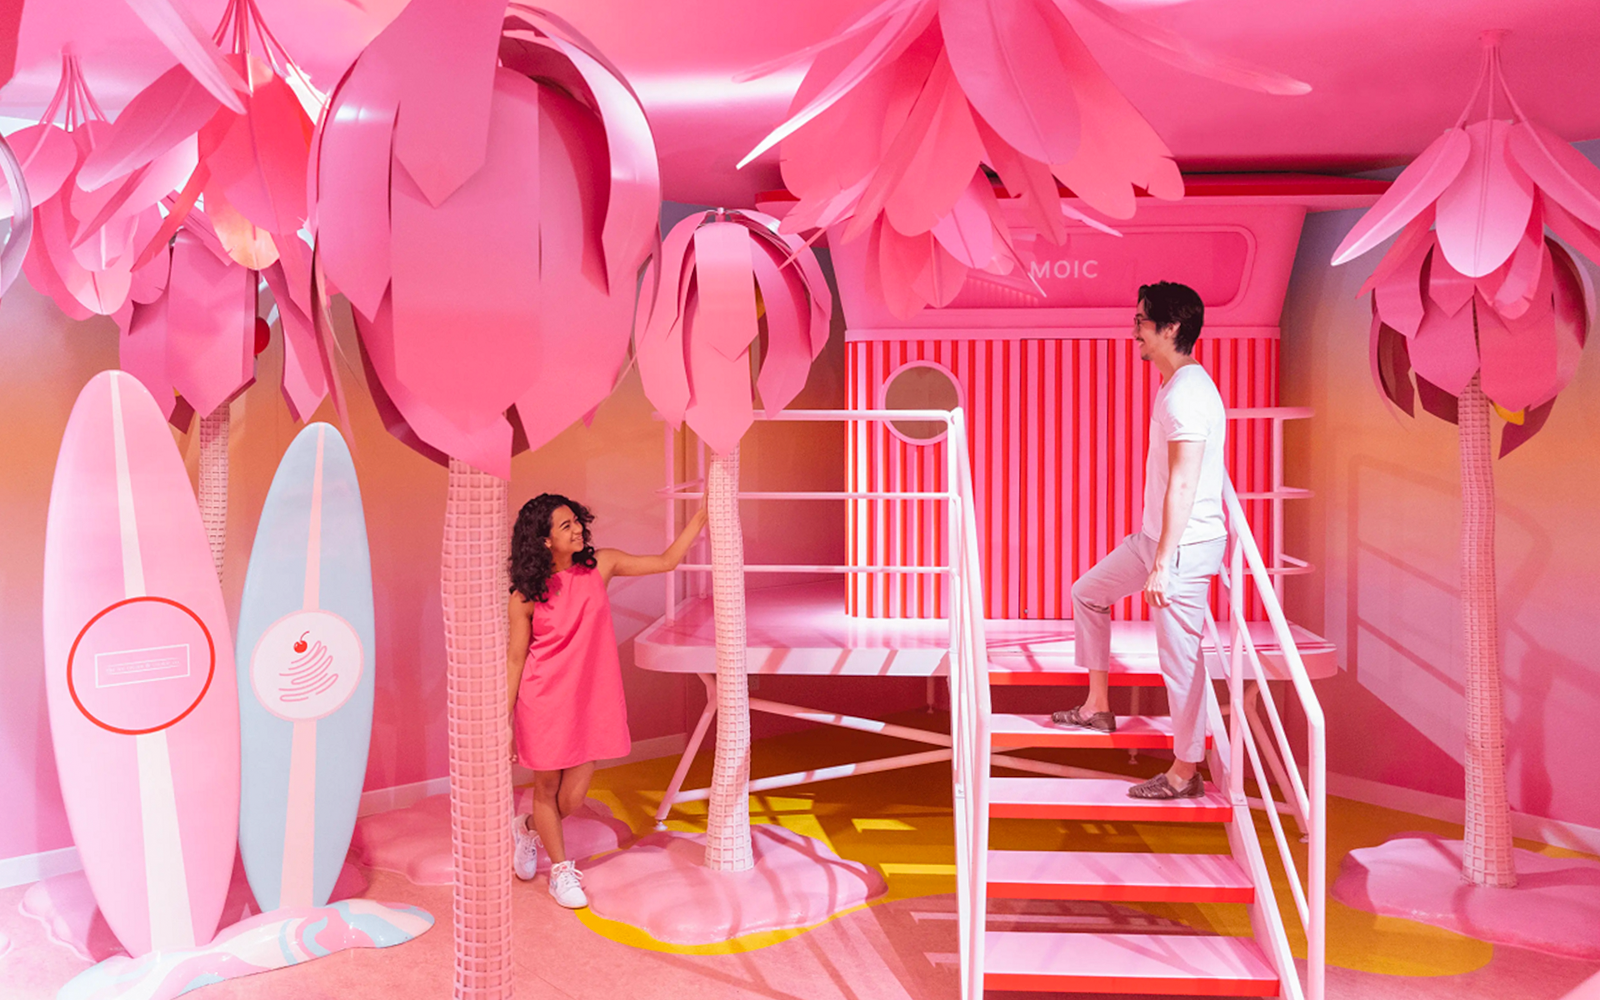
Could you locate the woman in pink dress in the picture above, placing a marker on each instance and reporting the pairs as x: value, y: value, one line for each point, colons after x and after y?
x: 563, y: 677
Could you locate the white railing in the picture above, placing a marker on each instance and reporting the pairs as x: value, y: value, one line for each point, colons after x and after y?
x: 1307, y: 794
x: 969, y: 727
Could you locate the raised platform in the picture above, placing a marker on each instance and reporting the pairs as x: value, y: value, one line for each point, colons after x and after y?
x: 802, y: 629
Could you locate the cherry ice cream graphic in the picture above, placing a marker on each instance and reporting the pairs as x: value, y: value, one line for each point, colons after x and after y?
x: 306, y: 665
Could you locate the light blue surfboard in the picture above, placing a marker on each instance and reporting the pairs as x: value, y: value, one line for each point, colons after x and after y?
x: 305, y: 655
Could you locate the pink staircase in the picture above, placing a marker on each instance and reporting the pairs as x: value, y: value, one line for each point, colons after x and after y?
x: 1075, y: 962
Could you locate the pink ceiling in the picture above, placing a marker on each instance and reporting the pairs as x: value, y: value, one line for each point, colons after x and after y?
x: 1387, y: 75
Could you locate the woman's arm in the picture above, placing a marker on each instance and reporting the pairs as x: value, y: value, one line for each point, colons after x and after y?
x: 520, y: 611
x: 615, y: 562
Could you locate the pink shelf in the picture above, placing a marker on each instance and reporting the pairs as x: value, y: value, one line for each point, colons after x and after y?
x: 1118, y: 877
x: 803, y: 629
x: 1098, y: 799
x: 1167, y: 964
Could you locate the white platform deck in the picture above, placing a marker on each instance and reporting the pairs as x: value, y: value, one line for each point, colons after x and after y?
x: 802, y: 629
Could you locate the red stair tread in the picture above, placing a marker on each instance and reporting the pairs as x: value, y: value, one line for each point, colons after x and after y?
x: 1168, y: 964
x: 1118, y: 877
x: 1008, y: 670
x: 1133, y: 731
x: 1098, y: 799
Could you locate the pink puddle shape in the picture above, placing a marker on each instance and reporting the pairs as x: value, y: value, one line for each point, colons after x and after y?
x: 264, y: 942
x: 65, y: 905
x: 1555, y: 907
x: 415, y: 841
x: 661, y: 885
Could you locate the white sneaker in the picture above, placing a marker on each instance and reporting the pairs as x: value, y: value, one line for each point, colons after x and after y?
x: 525, y: 862
x: 566, y: 885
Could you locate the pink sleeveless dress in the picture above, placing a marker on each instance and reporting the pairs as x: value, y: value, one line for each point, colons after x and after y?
x: 570, y: 707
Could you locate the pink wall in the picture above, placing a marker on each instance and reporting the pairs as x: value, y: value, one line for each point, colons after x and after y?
x: 615, y: 466
x: 1383, y: 528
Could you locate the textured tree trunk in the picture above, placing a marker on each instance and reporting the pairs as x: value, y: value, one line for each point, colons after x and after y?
x: 728, y: 824
x: 1486, y: 859
x: 214, y: 481
x: 473, y: 583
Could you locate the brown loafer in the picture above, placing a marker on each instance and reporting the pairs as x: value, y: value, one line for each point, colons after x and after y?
x: 1100, y: 722
x: 1160, y: 788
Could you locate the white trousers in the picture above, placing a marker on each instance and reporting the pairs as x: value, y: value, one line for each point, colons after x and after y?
x: 1179, y: 625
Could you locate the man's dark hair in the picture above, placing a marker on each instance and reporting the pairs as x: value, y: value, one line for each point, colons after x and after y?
x: 1166, y: 303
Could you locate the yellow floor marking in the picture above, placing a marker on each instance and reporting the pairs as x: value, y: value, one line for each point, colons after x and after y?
x: 850, y: 814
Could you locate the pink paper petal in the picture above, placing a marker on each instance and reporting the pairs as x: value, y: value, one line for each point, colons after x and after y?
x: 818, y: 50
x: 480, y: 439
x: 150, y: 281
x: 1413, y: 192
x: 1483, y: 212
x: 304, y: 386
x: 1444, y: 350
x: 1519, y: 366
x: 101, y: 292
x: 941, y: 278
x: 211, y: 315
x: 353, y: 233
x: 20, y: 234
x: 941, y: 165
x: 463, y: 294
x: 40, y: 267
x: 171, y: 109
x: 901, y: 262
x: 1005, y: 61
x: 142, y: 352
x: 246, y: 243
x: 1172, y: 48
x: 1580, y: 237
x: 1117, y: 149
x: 1029, y: 180
x: 1523, y: 272
x: 142, y: 189
x: 726, y: 292
x: 662, y: 359
x: 722, y: 408
x: 897, y: 32
x: 1448, y: 289
x: 47, y: 156
x: 1562, y: 173
x: 1417, y: 232
x: 634, y: 201
x: 176, y: 28
x: 1513, y: 436
x: 442, y: 54
x: 1391, y: 365
x: 1398, y: 298
x: 968, y: 231
x: 265, y: 154
x: 786, y: 360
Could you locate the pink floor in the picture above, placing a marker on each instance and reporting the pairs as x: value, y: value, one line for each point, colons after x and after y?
x: 899, y: 949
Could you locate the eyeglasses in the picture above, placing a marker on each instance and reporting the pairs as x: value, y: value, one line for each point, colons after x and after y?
x: 1139, y: 320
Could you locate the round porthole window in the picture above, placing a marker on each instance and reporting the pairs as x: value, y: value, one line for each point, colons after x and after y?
x: 920, y: 385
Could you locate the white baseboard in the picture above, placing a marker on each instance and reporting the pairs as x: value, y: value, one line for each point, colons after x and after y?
x: 1556, y: 833
x: 399, y: 796
x: 33, y: 867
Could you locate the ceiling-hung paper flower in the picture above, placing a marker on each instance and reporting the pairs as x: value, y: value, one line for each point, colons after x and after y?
x: 86, y: 240
x: 486, y: 192
x: 19, y: 203
x: 192, y: 336
x: 698, y: 322
x: 900, y: 113
x: 1472, y: 285
x: 252, y: 151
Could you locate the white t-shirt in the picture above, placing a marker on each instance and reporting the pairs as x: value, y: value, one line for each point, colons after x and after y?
x: 1187, y: 408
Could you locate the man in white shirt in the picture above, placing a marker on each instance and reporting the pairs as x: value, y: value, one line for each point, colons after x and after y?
x: 1179, y: 548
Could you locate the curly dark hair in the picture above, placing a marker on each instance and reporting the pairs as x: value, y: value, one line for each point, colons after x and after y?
x: 531, y: 562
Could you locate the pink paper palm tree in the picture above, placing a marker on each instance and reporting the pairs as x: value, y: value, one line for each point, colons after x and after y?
x: 728, y: 290
x: 1488, y: 312
x: 486, y: 193
x: 901, y: 111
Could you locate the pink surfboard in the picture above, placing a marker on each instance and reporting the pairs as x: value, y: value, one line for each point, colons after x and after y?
x: 144, y: 713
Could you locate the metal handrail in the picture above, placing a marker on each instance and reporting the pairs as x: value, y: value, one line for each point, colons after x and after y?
x: 1309, y: 796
